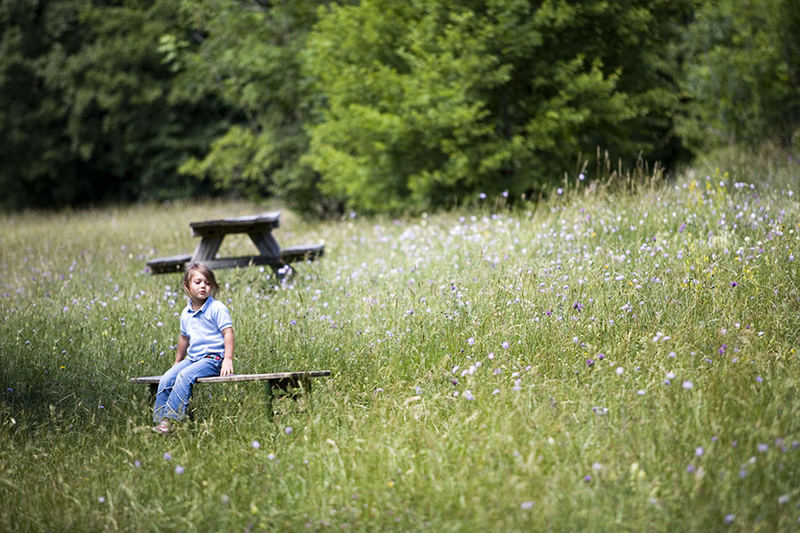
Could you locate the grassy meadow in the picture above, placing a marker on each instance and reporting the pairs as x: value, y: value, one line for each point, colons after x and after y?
x: 621, y: 357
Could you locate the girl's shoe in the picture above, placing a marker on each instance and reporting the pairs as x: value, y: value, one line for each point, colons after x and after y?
x: 163, y: 427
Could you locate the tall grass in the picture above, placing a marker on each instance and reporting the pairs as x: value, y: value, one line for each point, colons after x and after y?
x: 616, y: 358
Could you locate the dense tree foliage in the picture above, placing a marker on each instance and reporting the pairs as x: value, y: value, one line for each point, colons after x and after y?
x: 377, y: 105
x: 432, y: 100
x: 89, y: 114
x: 742, y: 73
x: 250, y: 56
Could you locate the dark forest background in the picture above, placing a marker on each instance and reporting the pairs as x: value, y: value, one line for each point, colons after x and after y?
x: 379, y: 106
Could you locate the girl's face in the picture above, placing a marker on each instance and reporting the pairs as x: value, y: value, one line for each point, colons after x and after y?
x: 199, y: 288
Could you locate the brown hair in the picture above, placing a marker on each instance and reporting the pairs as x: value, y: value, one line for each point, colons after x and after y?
x: 205, y: 271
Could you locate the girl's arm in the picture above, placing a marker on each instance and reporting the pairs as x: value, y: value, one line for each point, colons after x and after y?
x: 183, y: 345
x: 227, y: 362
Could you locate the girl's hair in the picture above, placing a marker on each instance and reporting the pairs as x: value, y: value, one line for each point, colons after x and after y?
x: 205, y: 271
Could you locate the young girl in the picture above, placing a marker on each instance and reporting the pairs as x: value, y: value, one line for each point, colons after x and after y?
x: 205, y: 346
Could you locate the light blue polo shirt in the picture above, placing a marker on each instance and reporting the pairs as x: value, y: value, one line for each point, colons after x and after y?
x: 204, y: 328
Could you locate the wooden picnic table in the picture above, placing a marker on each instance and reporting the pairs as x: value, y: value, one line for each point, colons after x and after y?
x: 258, y: 227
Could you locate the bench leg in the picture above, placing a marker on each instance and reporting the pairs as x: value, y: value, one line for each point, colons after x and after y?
x: 268, y: 391
x: 294, y: 387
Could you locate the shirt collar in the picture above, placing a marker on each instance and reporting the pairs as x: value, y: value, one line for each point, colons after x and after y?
x: 203, y: 308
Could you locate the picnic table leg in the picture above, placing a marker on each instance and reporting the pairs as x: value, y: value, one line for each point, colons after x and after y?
x: 268, y: 247
x: 208, y: 247
x: 266, y: 244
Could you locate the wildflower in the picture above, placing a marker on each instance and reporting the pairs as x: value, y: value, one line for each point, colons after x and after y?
x: 271, y: 456
x: 763, y: 448
x: 601, y: 356
x: 468, y: 395
x: 496, y: 391
x: 255, y: 444
x: 759, y: 379
x: 620, y: 371
x: 137, y: 463
x: 505, y: 345
x: 690, y: 469
x: 641, y: 392
x: 482, y: 196
x: 590, y: 362
x: 288, y: 430
x: 729, y: 518
x: 471, y: 341
x: 587, y: 478
x: 687, y: 385
x: 784, y: 498
x: 526, y: 505
x: 179, y: 470
x: 101, y: 499
x: 167, y: 456
x: 733, y: 284
x: 699, y: 451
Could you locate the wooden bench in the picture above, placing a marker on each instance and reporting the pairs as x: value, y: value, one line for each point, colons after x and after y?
x: 257, y: 227
x: 286, y: 381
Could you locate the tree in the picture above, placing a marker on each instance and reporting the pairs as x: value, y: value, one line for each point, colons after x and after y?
x: 91, y: 113
x: 428, y: 102
x: 742, y: 74
x: 250, y: 54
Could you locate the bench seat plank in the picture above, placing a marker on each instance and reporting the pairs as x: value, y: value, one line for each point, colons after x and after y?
x: 302, y: 252
x: 165, y: 265
x: 277, y: 376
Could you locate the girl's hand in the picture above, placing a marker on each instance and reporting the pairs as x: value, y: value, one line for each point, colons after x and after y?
x: 227, y: 367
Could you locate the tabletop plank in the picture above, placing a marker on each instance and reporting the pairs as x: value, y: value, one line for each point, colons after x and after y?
x: 242, y: 224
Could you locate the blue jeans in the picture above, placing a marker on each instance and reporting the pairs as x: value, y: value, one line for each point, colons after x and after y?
x: 175, y: 387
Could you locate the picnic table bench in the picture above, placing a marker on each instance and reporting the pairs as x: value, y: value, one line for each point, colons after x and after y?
x: 286, y: 381
x: 258, y: 227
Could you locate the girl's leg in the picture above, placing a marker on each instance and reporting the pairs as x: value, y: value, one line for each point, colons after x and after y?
x: 175, y: 406
x: 165, y: 386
